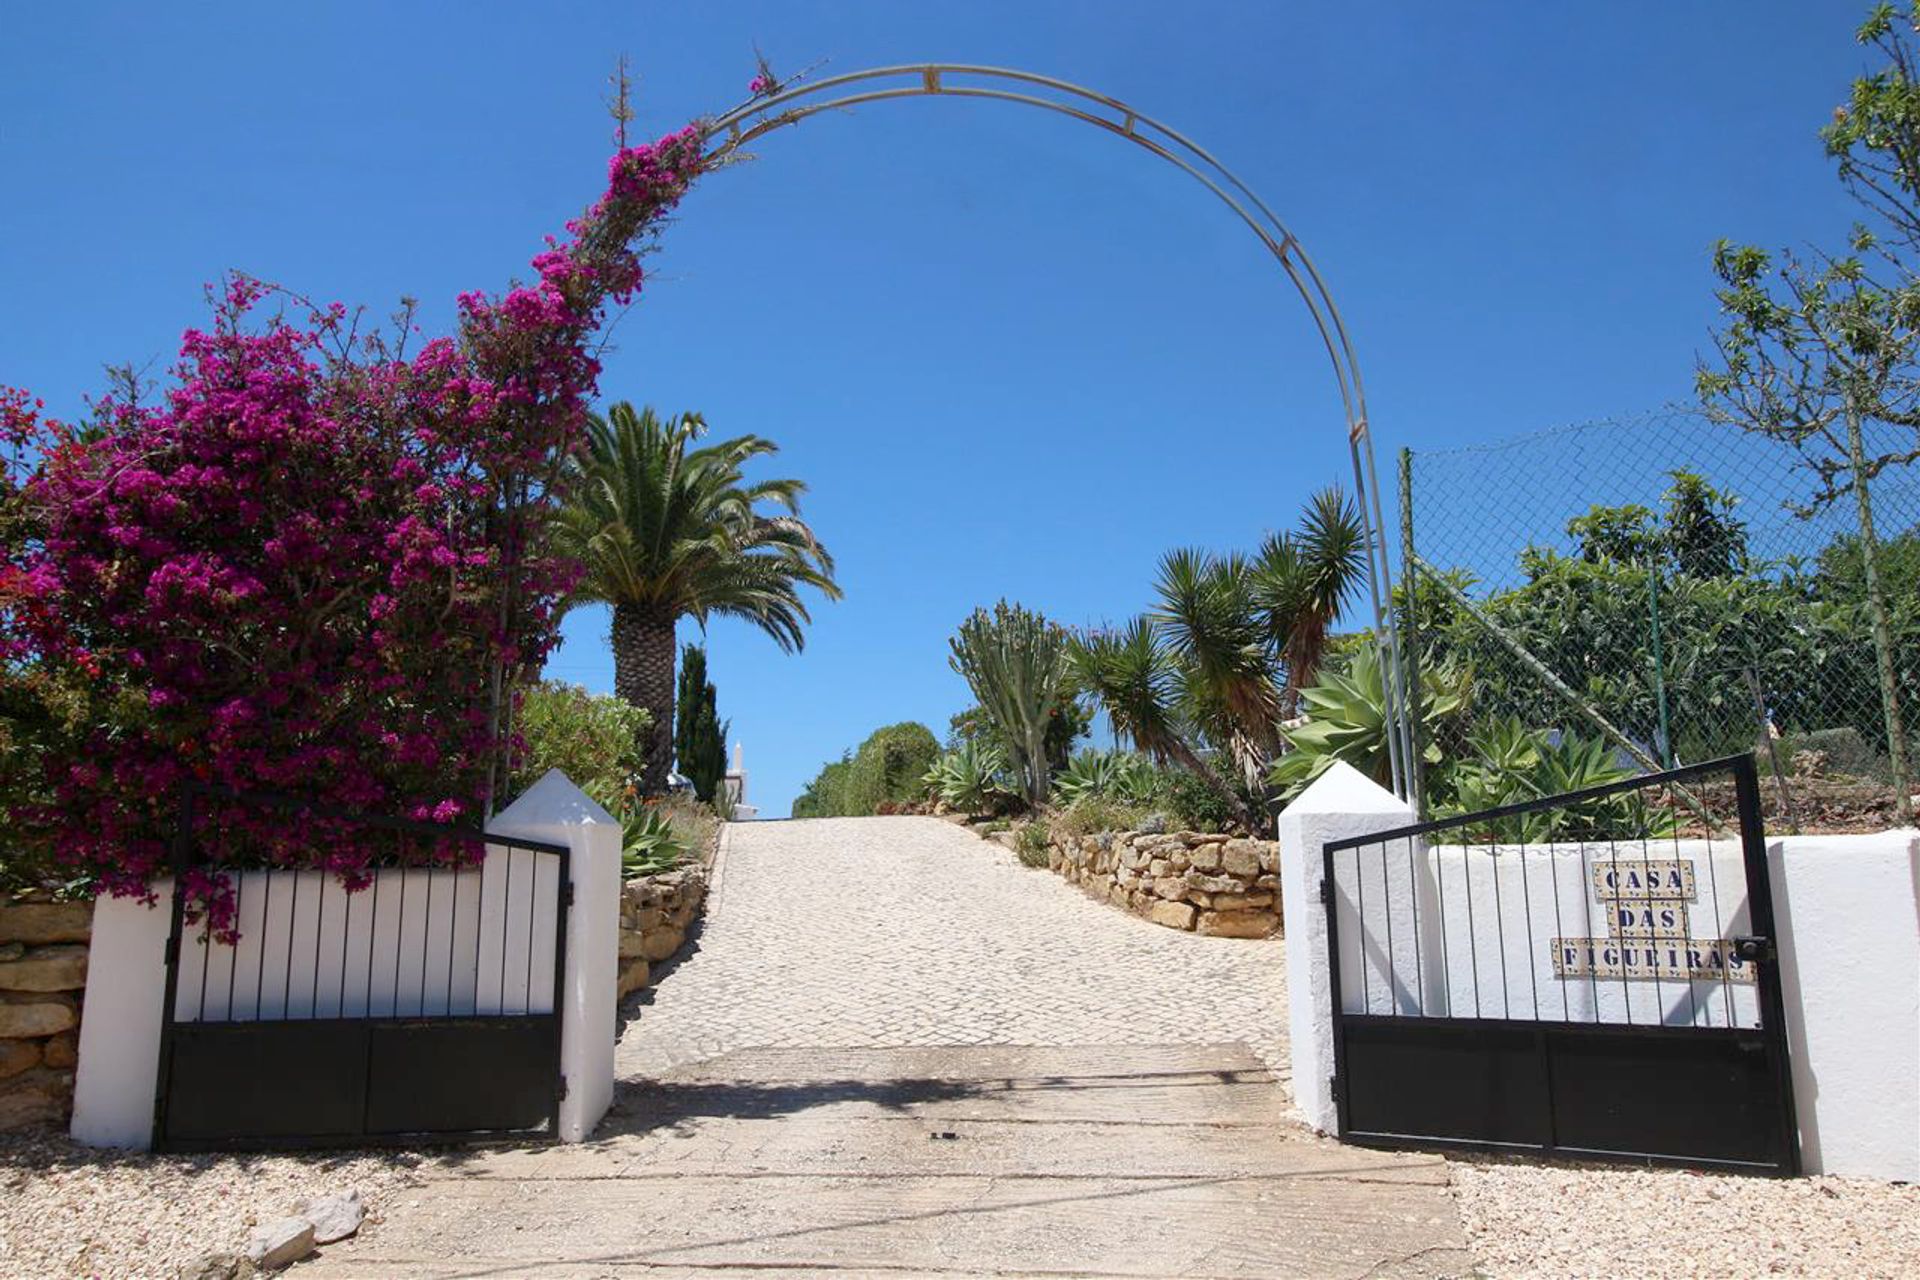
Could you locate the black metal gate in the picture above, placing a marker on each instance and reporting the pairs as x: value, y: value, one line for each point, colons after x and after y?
x: 426, y: 1006
x: 1589, y: 975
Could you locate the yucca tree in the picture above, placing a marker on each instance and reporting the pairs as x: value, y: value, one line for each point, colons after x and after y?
x: 1137, y: 678
x: 1301, y: 581
x: 1226, y: 668
x: 667, y: 530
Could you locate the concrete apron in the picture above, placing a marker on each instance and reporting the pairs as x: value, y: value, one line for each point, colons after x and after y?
x: 1099, y: 1160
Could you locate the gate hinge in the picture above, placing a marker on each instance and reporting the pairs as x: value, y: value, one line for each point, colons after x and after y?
x: 566, y: 894
x: 563, y: 1088
x: 171, y: 952
x: 1755, y: 949
x: 1326, y: 892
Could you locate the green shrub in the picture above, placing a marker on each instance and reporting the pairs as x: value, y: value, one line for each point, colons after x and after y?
x: 1194, y: 805
x: 1032, y: 842
x: 1510, y: 764
x: 1847, y: 752
x: 826, y: 795
x: 1092, y: 814
x: 594, y: 739
x: 890, y: 768
x: 1121, y: 775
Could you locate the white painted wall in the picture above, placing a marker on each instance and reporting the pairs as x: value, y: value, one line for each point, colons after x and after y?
x: 1847, y: 915
x: 416, y: 943
x: 1848, y: 909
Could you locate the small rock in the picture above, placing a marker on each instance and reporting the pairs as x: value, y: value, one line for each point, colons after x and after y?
x: 218, y: 1266
x: 334, y: 1217
x: 40, y: 1018
x: 1153, y: 824
x: 280, y: 1243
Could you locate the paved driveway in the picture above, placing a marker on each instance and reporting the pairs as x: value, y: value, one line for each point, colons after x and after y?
x: 895, y: 1051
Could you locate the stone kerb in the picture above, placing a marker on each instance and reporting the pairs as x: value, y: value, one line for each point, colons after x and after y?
x: 1207, y: 883
x: 1342, y: 803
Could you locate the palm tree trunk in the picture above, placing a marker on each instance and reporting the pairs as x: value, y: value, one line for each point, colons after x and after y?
x: 643, y: 658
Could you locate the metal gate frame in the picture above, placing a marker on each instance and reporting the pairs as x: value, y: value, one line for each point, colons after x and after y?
x: 359, y: 1116
x: 1523, y: 1052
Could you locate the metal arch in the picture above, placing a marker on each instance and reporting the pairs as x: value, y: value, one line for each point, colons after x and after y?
x: 727, y: 134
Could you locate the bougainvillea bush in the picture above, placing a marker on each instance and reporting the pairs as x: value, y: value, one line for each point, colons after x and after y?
x: 318, y: 557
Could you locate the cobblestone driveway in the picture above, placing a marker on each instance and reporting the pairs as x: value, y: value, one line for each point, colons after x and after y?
x: 885, y: 932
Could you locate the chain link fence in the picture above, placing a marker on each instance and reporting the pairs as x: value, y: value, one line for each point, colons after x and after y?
x: 1670, y: 586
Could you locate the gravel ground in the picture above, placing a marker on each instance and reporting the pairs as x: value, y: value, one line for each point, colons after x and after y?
x: 1530, y: 1219
x: 67, y: 1210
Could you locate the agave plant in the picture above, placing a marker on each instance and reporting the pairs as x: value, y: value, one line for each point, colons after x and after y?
x: 1347, y: 720
x: 1119, y: 775
x: 971, y: 778
x: 649, y: 842
x: 1510, y: 764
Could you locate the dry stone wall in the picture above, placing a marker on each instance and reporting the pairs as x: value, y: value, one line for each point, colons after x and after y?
x: 655, y: 914
x: 1210, y: 884
x: 43, y: 972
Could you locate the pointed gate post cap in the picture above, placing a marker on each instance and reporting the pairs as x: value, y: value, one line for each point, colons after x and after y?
x: 553, y: 801
x: 1344, y: 789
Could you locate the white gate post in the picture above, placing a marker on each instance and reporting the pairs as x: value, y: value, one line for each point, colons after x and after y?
x: 1342, y: 803
x: 556, y: 811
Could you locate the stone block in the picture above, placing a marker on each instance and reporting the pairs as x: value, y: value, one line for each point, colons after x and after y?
x: 1172, y: 888
x: 62, y: 1052
x: 22, y: 1105
x: 1206, y: 857
x: 631, y: 942
x: 1213, y: 884
x: 1241, y: 901
x: 1270, y: 882
x: 1237, y: 924
x: 634, y: 975
x: 17, y: 1056
x: 1240, y: 858
x: 59, y: 968
x: 1181, y: 861
x: 1175, y: 915
x: 661, y: 943
x: 38, y: 923
x: 1270, y: 857
x: 38, y: 1018
x: 1159, y: 867
x: 1117, y: 895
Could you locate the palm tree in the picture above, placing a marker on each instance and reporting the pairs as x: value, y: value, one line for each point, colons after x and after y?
x: 666, y: 531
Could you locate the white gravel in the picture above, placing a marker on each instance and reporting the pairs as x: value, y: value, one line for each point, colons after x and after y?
x: 1535, y: 1220
x: 67, y: 1210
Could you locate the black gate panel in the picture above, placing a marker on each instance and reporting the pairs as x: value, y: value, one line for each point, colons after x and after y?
x: 268, y: 1081
x: 1705, y: 1095
x: 461, y: 1075
x: 1462, y: 1081
x: 1590, y: 975
x: 424, y: 1005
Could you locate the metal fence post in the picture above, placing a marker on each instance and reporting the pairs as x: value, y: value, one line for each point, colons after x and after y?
x: 1882, y: 629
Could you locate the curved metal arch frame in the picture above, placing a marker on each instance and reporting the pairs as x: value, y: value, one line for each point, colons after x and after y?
x: 726, y: 135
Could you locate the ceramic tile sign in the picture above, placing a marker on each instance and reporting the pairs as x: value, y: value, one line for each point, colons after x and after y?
x: 1649, y: 933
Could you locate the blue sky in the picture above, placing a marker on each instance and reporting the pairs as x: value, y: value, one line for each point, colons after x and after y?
x: 1012, y: 355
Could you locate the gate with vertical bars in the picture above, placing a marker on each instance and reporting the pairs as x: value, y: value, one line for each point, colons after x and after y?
x: 1589, y: 975
x: 425, y: 1006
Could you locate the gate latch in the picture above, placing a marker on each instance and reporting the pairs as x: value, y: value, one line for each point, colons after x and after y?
x: 1755, y: 949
